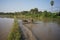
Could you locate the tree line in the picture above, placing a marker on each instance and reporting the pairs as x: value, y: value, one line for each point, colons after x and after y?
x: 34, y: 12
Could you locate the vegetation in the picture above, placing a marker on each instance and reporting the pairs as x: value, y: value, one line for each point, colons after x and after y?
x: 15, y: 33
x: 32, y: 14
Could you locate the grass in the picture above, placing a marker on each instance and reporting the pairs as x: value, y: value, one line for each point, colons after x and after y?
x: 15, y: 33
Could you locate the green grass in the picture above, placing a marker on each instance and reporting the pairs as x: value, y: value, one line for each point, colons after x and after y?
x: 15, y: 33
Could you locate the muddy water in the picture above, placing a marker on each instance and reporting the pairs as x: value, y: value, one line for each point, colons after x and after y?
x: 32, y: 31
x: 5, y: 26
x: 45, y: 30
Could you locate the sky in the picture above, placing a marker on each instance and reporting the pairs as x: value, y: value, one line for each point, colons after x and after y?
x: 26, y: 5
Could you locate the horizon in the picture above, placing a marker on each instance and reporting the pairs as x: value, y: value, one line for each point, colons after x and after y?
x: 26, y: 5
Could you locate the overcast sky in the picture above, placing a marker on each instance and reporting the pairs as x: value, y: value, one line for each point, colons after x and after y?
x: 21, y: 5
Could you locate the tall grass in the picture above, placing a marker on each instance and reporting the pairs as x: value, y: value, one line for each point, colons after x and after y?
x: 15, y: 33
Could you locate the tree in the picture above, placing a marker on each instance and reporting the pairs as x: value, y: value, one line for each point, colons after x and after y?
x: 59, y: 13
x: 15, y: 33
x: 45, y: 13
x: 34, y: 11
